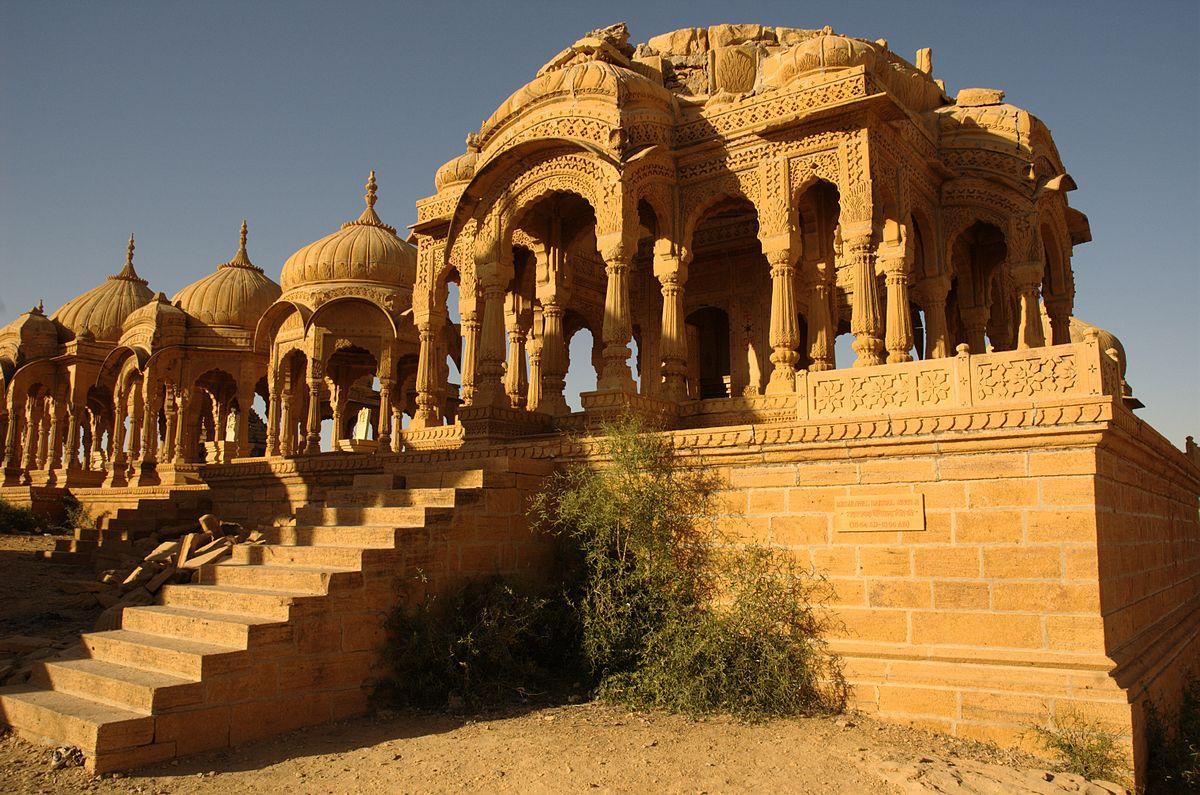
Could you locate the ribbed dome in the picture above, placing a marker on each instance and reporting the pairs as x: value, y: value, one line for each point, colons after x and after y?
x: 235, y: 295
x: 31, y: 335
x: 460, y: 169
x: 156, y: 311
x: 366, y: 250
x: 102, y: 310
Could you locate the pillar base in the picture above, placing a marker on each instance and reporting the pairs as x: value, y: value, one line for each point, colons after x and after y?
x: 483, y: 424
x: 600, y: 407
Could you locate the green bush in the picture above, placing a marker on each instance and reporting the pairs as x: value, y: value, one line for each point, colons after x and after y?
x: 1173, y: 763
x: 1085, y: 747
x: 488, y: 644
x: 19, y: 521
x: 672, y: 614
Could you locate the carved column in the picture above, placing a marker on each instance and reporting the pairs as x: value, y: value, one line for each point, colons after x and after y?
x: 672, y: 273
x: 384, y: 433
x: 171, y: 409
x: 821, y: 330
x: 1059, y: 310
x: 117, y: 460
x: 615, y: 375
x: 135, y: 424
x: 47, y: 417
x: 12, y: 442
x: 489, y: 386
x: 516, y: 379
x: 56, y: 443
x: 865, y: 320
x: 428, y: 412
x: 931, y: 296
x: 899, y: 334
x: 470, y: 346
x: 245, y: 400
x: 312, y: 438
x: 785, y: 332
x: 31, y: 433
x: 148, y: 450
x: 338, y: 395
x: 1028, y: 279
x: 533, y: 397
x: 974, y: 321
x: 285, y: 423
x: 183, y: 399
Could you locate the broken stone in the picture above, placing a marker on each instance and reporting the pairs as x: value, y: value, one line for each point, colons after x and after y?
x: 24, y: 643
x: 160, y: 579
x: 212, y: 556
x: 210, y: 524
x: 66, y: 756
x: 110, y: 619
x: 164, y: 551
x: 978, y: 97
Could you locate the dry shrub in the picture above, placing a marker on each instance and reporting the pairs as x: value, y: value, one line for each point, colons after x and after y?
x: 1085, y: 746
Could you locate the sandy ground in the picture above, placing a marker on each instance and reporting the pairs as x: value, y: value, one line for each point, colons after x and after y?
x: 570, y: 748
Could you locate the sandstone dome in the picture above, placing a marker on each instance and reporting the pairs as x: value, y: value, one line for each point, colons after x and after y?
x: 364, y: 250
x: 31, y: 335
x: 101, y: 311
x: 459, y: 169
x: 158, y: 311
x: 235, y: 295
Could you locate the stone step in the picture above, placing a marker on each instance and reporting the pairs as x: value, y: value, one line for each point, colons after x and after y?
x: 461, y: 479
x: 49, y: 716
x: 70, y: 557
x: 374, y: 481
x: 224, y: 629
x: 397, y: 498
x: 398, y: 516
x: 134, y: 689
x: 227, y: 599
x: 362, y: 536
x: 180, y: 656
x: 284, y: 555
x: 298, y: 579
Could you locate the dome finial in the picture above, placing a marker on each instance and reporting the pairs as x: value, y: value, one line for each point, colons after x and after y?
x: 242, y: 258
x: 372, y: 189
x: 128, y: 273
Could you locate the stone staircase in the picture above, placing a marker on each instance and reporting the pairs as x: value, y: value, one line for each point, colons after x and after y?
x: 119, y: 525
x: 278, y: 637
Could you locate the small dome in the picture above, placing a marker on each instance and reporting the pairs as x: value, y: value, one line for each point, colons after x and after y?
x: 156, y: 311
x: 235, y: 295
x: 101, y: 311
x: 366, y: 250
x: 31, y: 335
x: 460, y: 169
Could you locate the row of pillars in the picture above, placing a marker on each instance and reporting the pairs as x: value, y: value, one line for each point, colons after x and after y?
x: 882, y: 327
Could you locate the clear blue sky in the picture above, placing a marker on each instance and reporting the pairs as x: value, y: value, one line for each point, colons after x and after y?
x: 176, y: 120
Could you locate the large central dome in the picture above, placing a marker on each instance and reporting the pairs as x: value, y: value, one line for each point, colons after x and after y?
x: 364, y: 250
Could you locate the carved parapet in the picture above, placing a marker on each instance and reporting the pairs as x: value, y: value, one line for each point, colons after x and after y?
x: 1020, y: 377
x: 600, y: 407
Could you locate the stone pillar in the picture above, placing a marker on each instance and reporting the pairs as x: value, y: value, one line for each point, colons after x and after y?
x: 899, y: 334
x: 383, y: 433
x: 554, y: 360
x: 470, y: 346
x: 865, y: 320
x: 171, y: 409
x: 32, y: 416
x: 821, y: 328
x: 785, y: 331
x: 312, y: 438
x: 974, y: 321
x: 672, y: 273
x: 489, y: 388
x: 533, y: 396
x: 135, y: 424
x: 615, y: 375
x: 117, y: 459
x: 516, y: 379
x: 397, y: 424
x: 46, y: 409
x: 12, y: 442
x: 1027, y: 279
x: 428, y: 411
x: 56, y: 443
x: 149, y: 428
x: 245, y: 403
x: 183, y: 398
x: 931, y: 296
x: 1059, y: 310
x: 338, y: 395
x: 285, y: 441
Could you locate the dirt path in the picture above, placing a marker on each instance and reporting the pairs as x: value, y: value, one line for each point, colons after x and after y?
x: 570, y: 749
x: 573, y: 748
